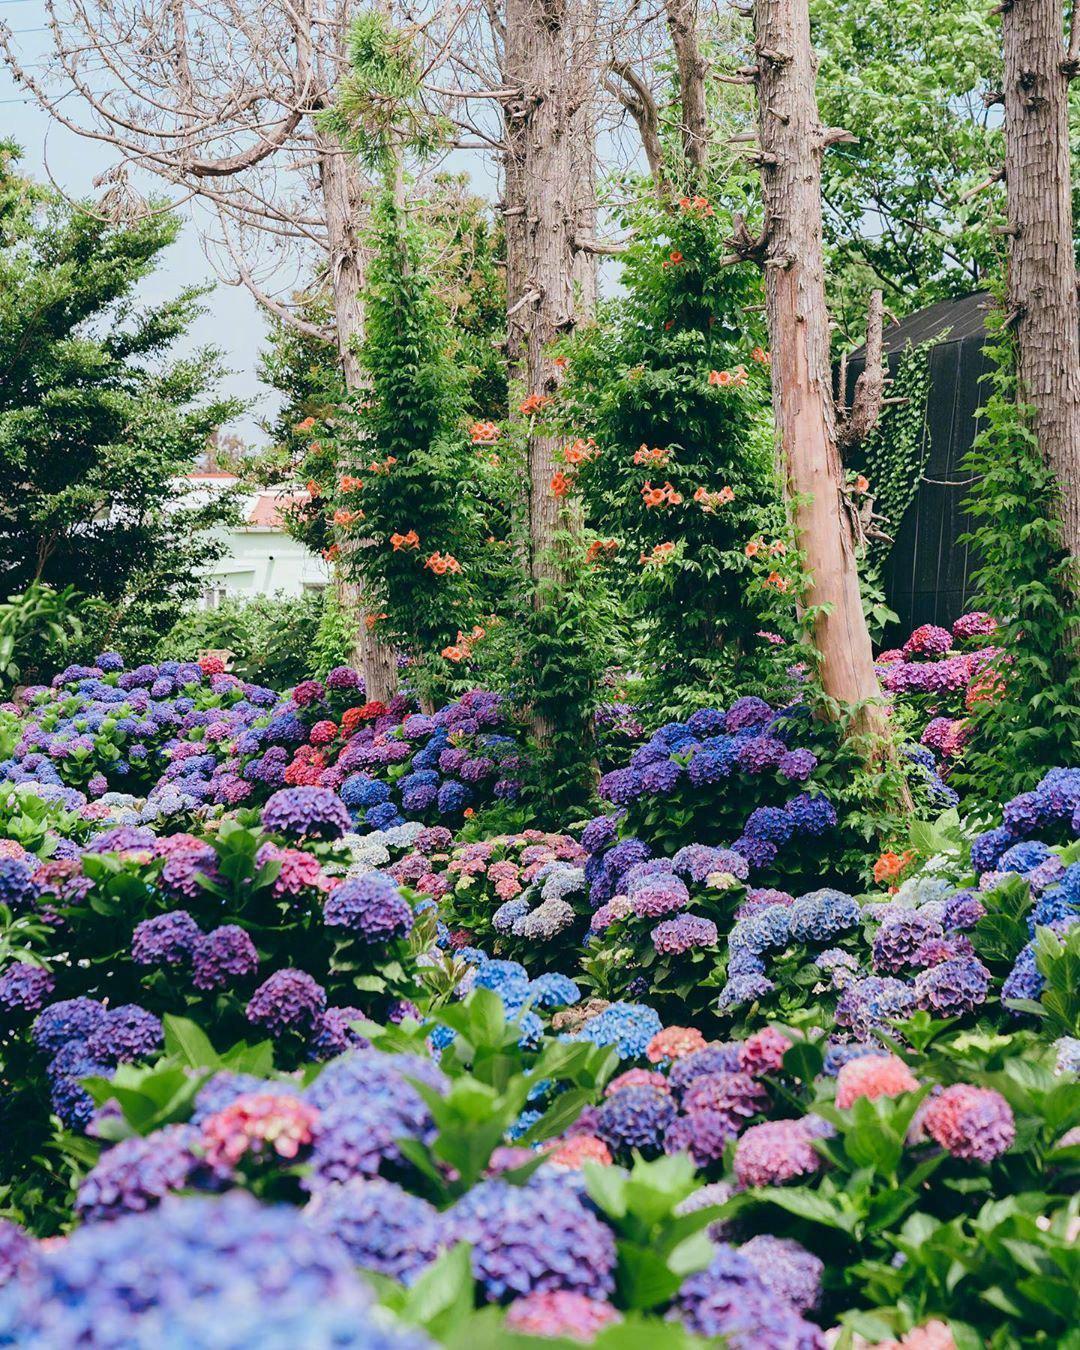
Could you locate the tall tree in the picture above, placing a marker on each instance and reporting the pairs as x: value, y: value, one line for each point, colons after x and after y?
x: 792, y: 141
x: 99, y: 418
x: 547, y: 64
x: 221, y: 100
x: 1042, y: 279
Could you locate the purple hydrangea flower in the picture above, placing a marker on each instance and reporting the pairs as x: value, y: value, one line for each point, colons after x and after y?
x: 534, y: 1238
x: 381, y: 1226
x: 222, y: 956
x: 683, y: 934
x: 165, y: 940
x: 635, y: 1118
x: 24, y: 988
x: 311, y: 812
x: 290, y: 1000
x: 369, y: 906
x: 952, y: 988
x: 137, y: 1173
x: 72, y: 1019
x: 126, y: 1034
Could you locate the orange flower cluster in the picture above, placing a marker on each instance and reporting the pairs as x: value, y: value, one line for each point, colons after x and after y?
x: 673, y: 259
x: 534, y: 403
x: 350, y: 484
x: 561, y: 484
x: 345, y: 518
x: 890, y: 865
x: 861, y: 484
x: 383, y: 466
x: 660, y: 496
x: 400, y: 541
x: 314, y: 490
x: 709, y: 501
x: 483, y: 433
x: 661, y: 553
x: 561, y: 362
x: 441, y: 563
x: 776, y: 549
x: 661, y: 458
x: 760, y: 355
x: 461, y: 649
x: 777, y: 582
x: 370, y: 620
x: 306, y: 424
x: 599, y: 547
x: 729, y: 378
x: 579, y: 451
x: 696, y: 204
x: 332, y: 554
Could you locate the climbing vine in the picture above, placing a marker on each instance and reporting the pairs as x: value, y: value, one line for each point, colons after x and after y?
x: 897, y: 449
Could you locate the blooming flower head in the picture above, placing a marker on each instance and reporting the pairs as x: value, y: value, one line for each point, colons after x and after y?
x: 573, y: 1153
x: 532, y: 1239
x: 560, y: 1313
x: 674, y: 1043
x: 774, y: 1152
x: 972, y: 1123
x: 873, y: 1076
x: 290, y: 1000
x: 763, y: 1052
x: 258, y: 1125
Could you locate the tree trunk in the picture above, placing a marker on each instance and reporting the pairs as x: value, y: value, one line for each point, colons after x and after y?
x: 1042, y: 270
x: 540, y: 248
x: 682, y: 19
x: 792, y: 142
x: 342, y: 192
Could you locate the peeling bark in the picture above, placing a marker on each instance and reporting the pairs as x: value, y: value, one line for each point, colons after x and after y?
x: 792, y: 142
x: 682, y: 17
x: 546, y: 152
x: 342, y: 191
x: 1042, y: 272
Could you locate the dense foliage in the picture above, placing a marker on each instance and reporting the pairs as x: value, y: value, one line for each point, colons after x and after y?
x: 526, y: 1084
x: 99, y: 417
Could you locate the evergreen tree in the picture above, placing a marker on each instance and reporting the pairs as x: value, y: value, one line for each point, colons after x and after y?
x: 98, y: 416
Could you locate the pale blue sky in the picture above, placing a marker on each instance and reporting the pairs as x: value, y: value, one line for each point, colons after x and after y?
x: 233, y: 322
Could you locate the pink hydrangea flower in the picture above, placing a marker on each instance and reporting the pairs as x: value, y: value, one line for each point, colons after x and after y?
x: 774, y: 1152
x: 873, y: 1076
x: 674, y: 1043
x: 972, y: 1123
x: 258, y: 1123
x: 572, y: 1154
x: 637, y: 1078
x: 560, y: 1313
x: 763, y: 1052
x: 931, y: 1336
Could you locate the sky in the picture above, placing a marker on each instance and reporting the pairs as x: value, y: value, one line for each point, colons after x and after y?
x: 233, y: 322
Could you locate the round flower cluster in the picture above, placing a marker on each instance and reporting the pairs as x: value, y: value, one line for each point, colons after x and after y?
x: 531, y: 1239
x: 197, y: 1264
x: 972, y: 1123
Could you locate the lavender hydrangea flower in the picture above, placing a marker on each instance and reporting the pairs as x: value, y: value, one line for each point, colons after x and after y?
x: 165, y: 940
x: 24, y: 988
x: 533, y: 1238
x: 381, y: 1226
x: 370, y: 907
x: 952, y: 988
x: 126, y: 1034
x: 137, y: 1173
x: 311, y: 812
x: 635, y: 1118
x: 684, y: 933
x: 223, y: 956
x: 290, y: 1000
